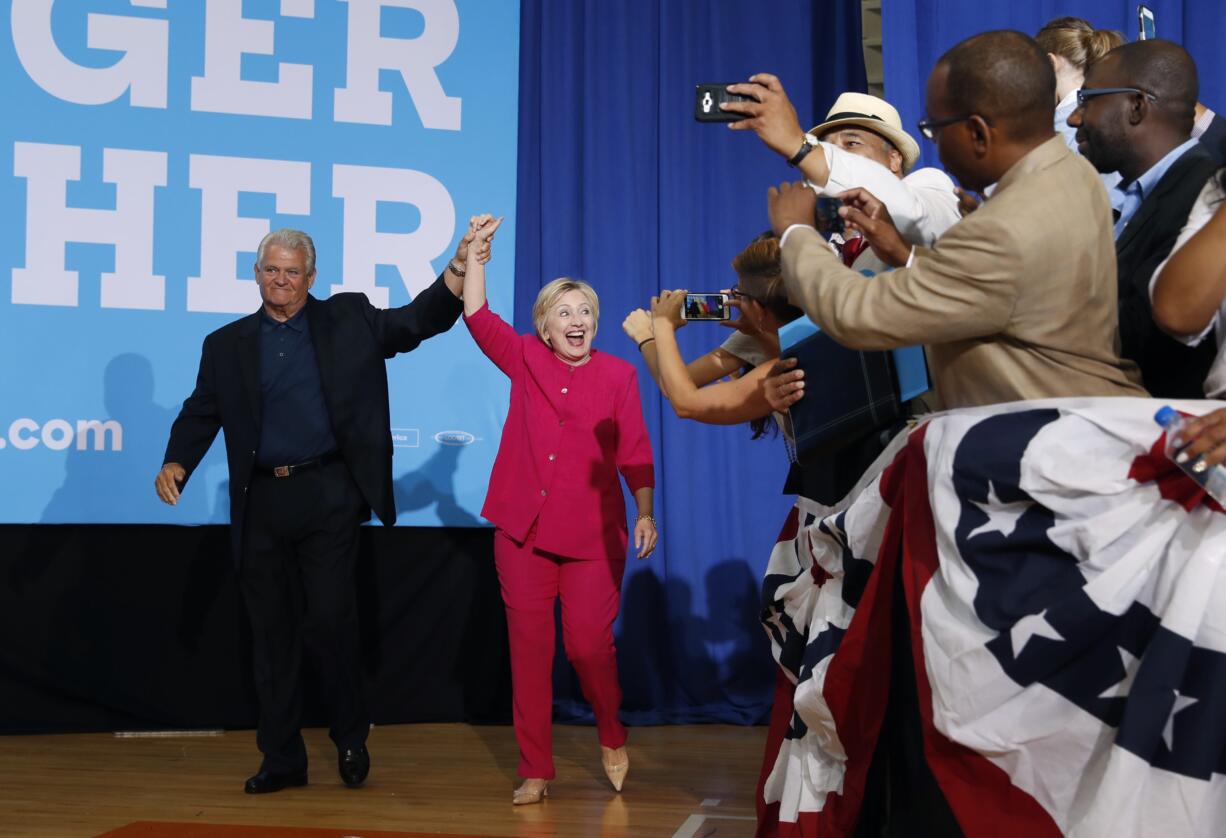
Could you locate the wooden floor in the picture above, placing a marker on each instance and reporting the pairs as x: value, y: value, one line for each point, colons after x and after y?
x: 436, y: 779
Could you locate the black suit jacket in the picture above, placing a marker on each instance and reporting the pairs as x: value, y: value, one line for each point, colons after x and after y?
x: 352, y: 340
x: 1214, y: 139
x: 1169, y: 369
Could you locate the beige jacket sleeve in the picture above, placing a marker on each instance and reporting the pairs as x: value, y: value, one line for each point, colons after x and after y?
x: 962, y: 288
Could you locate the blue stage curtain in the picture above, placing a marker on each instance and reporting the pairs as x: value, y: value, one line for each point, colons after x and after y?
x: 915, y: 33
x: 620, y: 186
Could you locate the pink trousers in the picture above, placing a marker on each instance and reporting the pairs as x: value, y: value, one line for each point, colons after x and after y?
x: 591, y: 595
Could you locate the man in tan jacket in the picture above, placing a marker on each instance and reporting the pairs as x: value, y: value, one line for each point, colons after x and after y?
x: 1017, y: 300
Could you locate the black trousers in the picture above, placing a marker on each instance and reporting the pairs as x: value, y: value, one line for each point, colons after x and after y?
x: 300, y: 548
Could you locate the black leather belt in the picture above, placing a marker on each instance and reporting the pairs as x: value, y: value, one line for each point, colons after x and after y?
x: 291, y: 470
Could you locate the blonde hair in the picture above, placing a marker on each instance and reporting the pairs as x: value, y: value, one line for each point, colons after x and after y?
x: 551, y: 293
x: 1076, y: 41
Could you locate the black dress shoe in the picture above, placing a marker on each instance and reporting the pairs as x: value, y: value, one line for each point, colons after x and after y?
x: 266, y: 781
x: 353, y: 765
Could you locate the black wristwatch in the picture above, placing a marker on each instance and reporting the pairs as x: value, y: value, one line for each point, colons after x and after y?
x: 810, y: 143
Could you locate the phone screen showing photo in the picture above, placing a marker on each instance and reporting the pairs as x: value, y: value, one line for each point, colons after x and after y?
x: 705, y: 307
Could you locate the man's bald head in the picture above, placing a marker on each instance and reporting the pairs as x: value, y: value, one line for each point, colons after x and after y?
x: 990, y: 103
x: 1164, y: 69
x: 1005, y: 77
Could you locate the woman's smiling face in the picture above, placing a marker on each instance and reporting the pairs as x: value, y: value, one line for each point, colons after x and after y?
x: 571, y: 325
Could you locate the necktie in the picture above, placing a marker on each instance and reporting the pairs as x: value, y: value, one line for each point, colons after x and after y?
x: 852, y: 248
x: 1128, y: 208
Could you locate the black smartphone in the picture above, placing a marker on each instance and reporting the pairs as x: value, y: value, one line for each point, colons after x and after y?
x: 826, y: 216
x: 705, y: 306
x: 1146, y: 31
x: 707, y: 98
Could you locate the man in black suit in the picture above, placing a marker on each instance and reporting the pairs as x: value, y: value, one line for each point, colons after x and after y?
x: 300, y: 389
x: 1134, y: 116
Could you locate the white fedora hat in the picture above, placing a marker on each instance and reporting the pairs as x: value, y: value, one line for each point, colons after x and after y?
x: 876, y: 115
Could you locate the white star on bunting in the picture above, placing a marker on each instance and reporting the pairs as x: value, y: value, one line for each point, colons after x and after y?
x: 776, y: 620
x: 1028, y: 627
x: 1002, y: 517
x: 1181, y: 702
x: 1120, y: 689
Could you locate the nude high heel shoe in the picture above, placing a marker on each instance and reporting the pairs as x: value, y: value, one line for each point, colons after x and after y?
x: 616, y: 764
x: 531, y: 791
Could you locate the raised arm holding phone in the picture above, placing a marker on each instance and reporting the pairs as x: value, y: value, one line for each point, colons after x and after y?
x: 860, y: 145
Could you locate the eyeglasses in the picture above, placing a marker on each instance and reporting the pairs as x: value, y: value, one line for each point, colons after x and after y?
x: 929, y: 127
x: 1087, y: 93
x: 737, y: 293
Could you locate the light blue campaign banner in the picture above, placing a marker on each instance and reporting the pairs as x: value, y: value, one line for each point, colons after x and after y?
x: 146, y: 148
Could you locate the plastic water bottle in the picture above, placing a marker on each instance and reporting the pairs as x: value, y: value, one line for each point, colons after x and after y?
x: 1212, y: 479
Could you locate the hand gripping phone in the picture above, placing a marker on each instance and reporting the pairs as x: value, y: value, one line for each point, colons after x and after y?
x: 705, y: 306
x: 707, y: 98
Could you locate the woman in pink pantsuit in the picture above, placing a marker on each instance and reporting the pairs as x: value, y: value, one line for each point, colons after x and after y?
x: 574, y: 424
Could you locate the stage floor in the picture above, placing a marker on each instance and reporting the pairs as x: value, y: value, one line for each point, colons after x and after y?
x: 437, y: 779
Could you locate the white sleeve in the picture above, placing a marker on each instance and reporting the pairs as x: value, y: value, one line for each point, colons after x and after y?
x: 745, y: 347
x: 1202, y: 210
x: 923, y: 204
x: 784, y: 237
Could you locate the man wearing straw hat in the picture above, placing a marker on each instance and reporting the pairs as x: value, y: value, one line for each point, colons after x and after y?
x: 861, y: 144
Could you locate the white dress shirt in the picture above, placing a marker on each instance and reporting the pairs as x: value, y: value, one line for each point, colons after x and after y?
x: 922, y: 204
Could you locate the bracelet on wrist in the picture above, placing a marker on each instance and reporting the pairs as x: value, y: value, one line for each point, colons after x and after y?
x: 643, y: 343
x: 458, y: 270
x: 648, y: 518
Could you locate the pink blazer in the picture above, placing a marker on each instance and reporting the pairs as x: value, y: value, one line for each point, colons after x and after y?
x: 568, y: 434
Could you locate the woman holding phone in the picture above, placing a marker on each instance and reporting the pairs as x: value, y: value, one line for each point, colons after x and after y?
x: 760, y: 296
x: 575, y: 423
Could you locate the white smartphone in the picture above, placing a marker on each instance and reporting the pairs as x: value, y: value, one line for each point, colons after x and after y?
x: 1145, y: 23
x: 706, y: 306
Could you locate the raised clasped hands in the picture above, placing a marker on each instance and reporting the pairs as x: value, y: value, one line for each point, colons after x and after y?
x: 481, y: 229
x: 666, y: 310
x: 483, y: 251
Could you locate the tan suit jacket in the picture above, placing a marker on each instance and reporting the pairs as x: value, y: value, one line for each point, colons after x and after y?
x: 1016, y: 301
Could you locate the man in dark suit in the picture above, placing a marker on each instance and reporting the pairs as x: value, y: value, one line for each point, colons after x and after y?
x: 1135, y: 116
x: 300, y: 389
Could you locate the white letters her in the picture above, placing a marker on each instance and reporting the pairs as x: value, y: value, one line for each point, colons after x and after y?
x: 51, y: 224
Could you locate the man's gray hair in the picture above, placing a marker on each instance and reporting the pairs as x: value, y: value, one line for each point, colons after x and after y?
x: 290, y: 240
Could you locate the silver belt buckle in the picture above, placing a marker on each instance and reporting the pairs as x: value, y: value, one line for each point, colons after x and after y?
x: 281, y: 471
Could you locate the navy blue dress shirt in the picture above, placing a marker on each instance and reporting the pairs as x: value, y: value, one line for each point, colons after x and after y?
x: 295, y: 425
